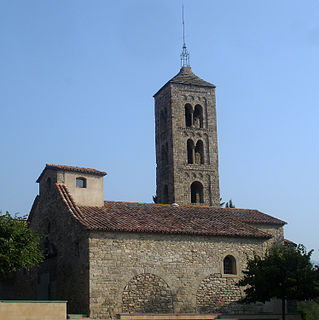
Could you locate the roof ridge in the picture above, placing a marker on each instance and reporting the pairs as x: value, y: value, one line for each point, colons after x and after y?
x: 179, y: 205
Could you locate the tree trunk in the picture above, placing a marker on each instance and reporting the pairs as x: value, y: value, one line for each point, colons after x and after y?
x: 283, y: 308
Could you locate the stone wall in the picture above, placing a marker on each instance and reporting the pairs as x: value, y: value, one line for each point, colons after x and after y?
x: 147, y: 293
x: 64, y: 273
x: 277, y: 232
x: 156, y: 273
x: 218, y: 294
x: 163, y: 139
x: 185, y: 174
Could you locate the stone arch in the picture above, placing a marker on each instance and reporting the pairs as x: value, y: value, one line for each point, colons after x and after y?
x: 147, y: 293
x: 197, y: 194
x: 218, y: 294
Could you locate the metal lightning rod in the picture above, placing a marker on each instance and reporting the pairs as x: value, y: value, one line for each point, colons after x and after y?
x: 184, y: 54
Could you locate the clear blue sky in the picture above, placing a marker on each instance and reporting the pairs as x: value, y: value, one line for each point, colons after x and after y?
x: 76, y: 86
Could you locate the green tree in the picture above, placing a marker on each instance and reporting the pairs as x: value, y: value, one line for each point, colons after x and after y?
x: 309, y: 310
x: 19, y: 245
x: 229, y: 204
x: 285, y: 273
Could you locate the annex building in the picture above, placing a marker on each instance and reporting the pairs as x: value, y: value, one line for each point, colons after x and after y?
x: 183, y: 254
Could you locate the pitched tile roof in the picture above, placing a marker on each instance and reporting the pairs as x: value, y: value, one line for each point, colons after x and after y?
x: 159, y: 218
x: 72, y: 169
x: 186, y: 76
x: 252, y: 216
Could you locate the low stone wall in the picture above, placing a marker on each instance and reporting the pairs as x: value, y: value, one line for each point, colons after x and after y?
x: 32, y: 310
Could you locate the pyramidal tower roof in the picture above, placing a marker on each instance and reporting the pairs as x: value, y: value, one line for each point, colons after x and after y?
x: 187, y: 77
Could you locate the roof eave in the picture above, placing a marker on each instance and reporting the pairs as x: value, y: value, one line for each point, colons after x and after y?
x: 212, y: 86
x: 225, y: 235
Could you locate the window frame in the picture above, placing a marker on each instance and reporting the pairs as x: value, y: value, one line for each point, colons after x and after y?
x: 83, y: 180
x: 234, y: 261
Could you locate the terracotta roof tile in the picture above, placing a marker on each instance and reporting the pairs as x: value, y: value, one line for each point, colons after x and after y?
x: 144, y: 217
x: 72, y: 169
x: 253, y: 216
x: 70, y: 204
x: 158, y: 218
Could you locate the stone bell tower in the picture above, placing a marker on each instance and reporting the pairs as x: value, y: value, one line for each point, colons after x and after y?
x: 186, y: 139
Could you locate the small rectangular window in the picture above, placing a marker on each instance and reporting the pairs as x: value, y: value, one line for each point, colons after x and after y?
x: 80, y: 182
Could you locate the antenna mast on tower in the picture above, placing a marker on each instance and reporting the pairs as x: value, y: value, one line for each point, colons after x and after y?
x: 184, y: 54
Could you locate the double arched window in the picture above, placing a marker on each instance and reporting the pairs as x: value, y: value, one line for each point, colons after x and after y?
x: 197, y: 195
x: 229, y: 265
x: 195, y: 153
x: 193, y: 118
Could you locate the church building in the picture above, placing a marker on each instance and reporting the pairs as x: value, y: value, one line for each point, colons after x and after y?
x: 183, y: 254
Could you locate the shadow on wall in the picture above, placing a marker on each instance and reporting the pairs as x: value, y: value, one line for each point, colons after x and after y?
x: 217, y: 294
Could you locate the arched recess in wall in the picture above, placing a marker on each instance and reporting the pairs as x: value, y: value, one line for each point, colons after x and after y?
x: 197, y: 195
x: 199, y: 152
x: 213, y: 295
x: 188, y: 115
x: 190, y: 151
x: 147, y: 293
x: 198, y: 116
